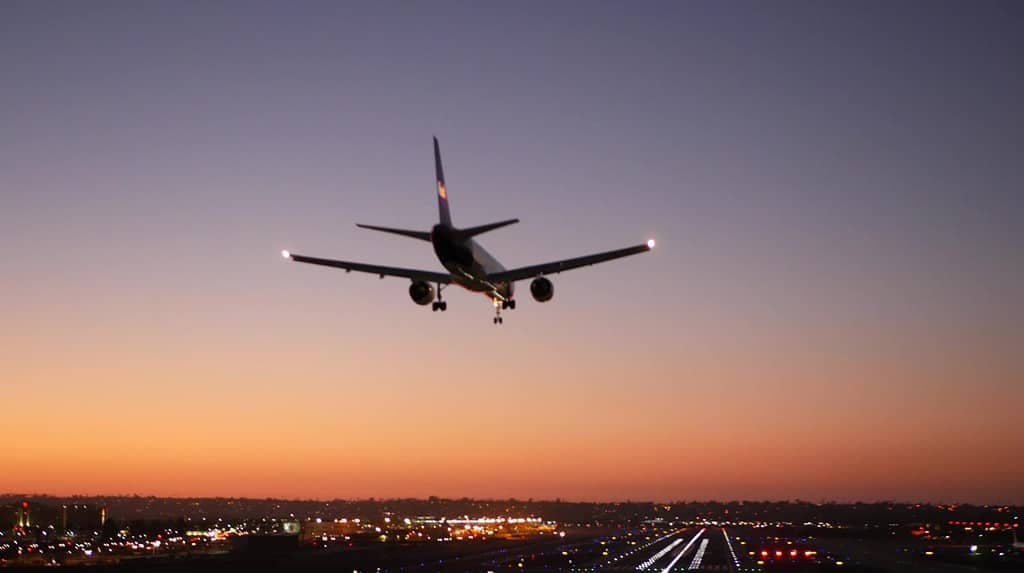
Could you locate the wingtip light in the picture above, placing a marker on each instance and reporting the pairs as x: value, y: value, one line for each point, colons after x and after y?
x: 286, y: 254
x: 650, y: 243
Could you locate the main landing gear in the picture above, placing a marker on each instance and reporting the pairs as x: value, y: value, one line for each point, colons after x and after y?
x: 439, y: 304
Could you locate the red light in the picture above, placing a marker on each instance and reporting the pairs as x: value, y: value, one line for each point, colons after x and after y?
x: 792, y: 553
x: 24, y: 504
x: 778, y: 553
x: 764, y: 553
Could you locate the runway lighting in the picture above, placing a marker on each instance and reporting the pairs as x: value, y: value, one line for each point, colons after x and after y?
x: 679, y: 555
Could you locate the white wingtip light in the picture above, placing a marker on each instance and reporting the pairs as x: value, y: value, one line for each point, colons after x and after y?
x: 650, y: 243
x: 286, y: 254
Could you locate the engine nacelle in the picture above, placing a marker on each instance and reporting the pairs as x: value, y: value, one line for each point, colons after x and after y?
x: 542, y: 289
x: 421, y: 293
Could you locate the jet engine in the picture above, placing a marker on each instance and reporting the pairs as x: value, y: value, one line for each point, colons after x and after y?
x: 542, y: 289
x: 421, y: 293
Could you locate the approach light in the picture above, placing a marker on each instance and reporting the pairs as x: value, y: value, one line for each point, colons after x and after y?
x: 286, y: 254
x: 650, y: 243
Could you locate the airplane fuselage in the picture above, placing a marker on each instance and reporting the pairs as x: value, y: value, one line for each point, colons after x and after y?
x: 469, y: 263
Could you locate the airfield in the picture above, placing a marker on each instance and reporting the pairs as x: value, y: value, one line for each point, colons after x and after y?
x: 650, y: 548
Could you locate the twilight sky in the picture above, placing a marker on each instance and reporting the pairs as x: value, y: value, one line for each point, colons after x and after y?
x: 834, y: 309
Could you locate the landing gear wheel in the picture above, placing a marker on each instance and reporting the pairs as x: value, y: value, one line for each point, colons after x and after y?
x: 433, y: 306
x: 443, y: 306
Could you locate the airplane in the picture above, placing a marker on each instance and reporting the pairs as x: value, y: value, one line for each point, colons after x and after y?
x: 467, y: 263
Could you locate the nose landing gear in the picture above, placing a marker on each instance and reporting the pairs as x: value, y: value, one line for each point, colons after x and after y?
x: 499, y: 305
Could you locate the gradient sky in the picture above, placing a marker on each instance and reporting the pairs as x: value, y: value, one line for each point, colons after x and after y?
x: 834, y: 309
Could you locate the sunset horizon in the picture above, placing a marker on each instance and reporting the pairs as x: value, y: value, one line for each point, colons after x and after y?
x: 832, y: 310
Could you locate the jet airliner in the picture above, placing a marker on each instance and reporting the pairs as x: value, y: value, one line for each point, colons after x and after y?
x: 467, y: 263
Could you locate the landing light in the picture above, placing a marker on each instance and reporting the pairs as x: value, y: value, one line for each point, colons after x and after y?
x: 650, y: 243
x: 286, y: 254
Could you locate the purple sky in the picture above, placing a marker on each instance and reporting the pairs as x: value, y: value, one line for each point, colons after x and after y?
x: 837, y: 191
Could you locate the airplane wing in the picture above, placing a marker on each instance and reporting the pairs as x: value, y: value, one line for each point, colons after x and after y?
x: 414, y: 274
x: 559, y: 266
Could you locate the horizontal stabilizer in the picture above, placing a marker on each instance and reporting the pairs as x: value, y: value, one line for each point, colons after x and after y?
x: 421, y: 235
x: 474, y: 231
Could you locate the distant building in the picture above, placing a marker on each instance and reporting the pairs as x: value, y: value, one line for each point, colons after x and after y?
x: 265, y: 545
x: 75, y: 517
x: 24, y: 515
x: 13, y: 515
x: 81, y: 518
x: 333, y: 530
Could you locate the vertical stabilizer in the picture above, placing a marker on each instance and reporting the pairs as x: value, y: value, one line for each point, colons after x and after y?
x: 442, y: 190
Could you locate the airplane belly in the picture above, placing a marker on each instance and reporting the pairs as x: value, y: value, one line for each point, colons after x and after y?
x: 469, y: 265
x: 469, y: 282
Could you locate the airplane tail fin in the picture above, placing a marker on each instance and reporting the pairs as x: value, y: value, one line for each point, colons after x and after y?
x: 442, y: 191
x: 480, y: 229
x: 421, y: 235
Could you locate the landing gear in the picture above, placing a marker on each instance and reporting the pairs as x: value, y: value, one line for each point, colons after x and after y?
x: 499, y: 305
x: 439, y: 304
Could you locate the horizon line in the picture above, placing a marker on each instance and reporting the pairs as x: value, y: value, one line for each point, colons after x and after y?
x: 527, y: 500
